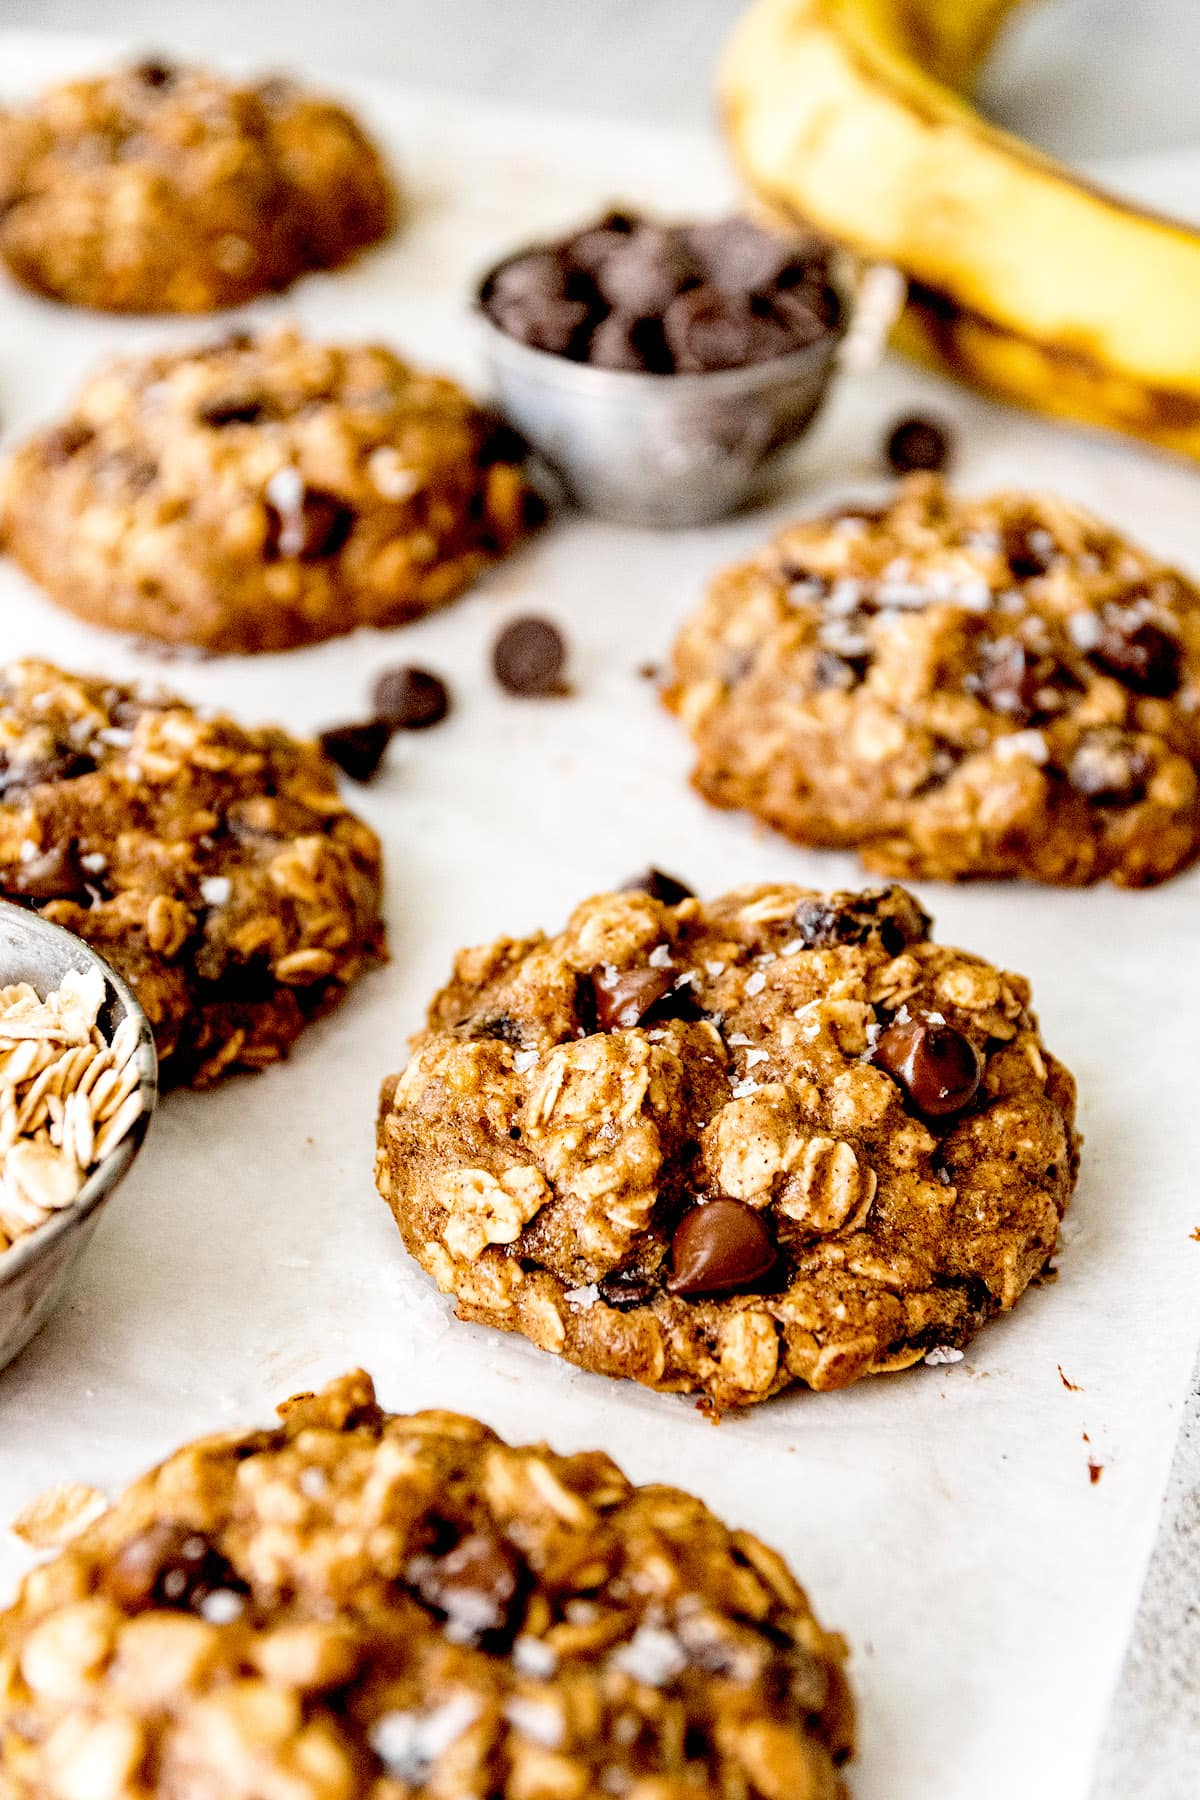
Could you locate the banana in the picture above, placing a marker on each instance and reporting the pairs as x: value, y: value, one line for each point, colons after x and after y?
x: 1022, y: 278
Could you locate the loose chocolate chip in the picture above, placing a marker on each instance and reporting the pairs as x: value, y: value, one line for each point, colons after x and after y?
x: 888, y: 913
x: 410, y: 699
x: 644, y: 273
x: 54, y: 875
x: 170, y: 1566
x: 557, y: 326
x: 357, y: 749
x: 938, y: 1068
x: 539, y: 275
x: 918, y: 444
x: 621, y: 342
x: 1107, y: 767
x: 739, y: 256
x: 719, y: 1246
x: 65, y: 441
x: 707, y: 329
x: 477, y: 1587
x: 802, y: 315
x: 315, y: 527
x: 1029, y: 548
x: 528, y: 657
x: 237, y: 409
x: 1139, y: 653
x: 589, y: 250
x: 659, y: 886
x: 623, y: 1000
x: 153, y: 73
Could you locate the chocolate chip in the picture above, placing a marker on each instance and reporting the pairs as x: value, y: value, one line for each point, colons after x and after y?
x: 237, y: 409
x: 802, y: 316
x: 1029, y: 548
x: 1008, y: 677
x: 65, y: 441
x: 499, y: 1028
x: 477, y: 1587
x: 500, y: 442
x: 54, y: 875
x: 644, y: 273
x: 938, y: 1068
x: 62, y: 763
x: 357, y: 749
x: 626, y: 1289
x: 719, y: 1246
x: 528, y: 657
x: 170, y: 1566
x: 410, y: 699
x: 589, y: 250
x: 316, y: 527
x: 918, y: 443
x: 1107, y: 767
x: 889, y: 914
x: 708, y: 329
x: 625, y: 342
x: 739, y: 256
x: 154, y: 73
x: 538, y: 275
x: 557, y: 326
x: 666, y: 888
x: 842, y: 672
x: 623, y: 1000
x: 1139, y: 653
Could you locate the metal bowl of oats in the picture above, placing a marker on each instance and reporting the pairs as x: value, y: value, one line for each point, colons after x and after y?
x: 78, y: 1085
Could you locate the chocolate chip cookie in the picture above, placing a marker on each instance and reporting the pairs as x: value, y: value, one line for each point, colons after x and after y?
x: 726, y: 1147
x: 999, y: 687
x: 216, y: 868
x: 363, y: 1604
x: 262, y: 493
x: 159, y: 188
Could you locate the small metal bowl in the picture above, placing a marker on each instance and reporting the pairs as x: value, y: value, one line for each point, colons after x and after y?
x: 34, y: 1273
x: 660, y: 450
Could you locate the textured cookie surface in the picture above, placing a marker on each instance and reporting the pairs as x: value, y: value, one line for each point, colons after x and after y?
x: 262, y: 493
x: 727, y: 1147
x: 1000, y: 687
x: 361, y: 1606
x: 166, y: 189
x: 216, y: 868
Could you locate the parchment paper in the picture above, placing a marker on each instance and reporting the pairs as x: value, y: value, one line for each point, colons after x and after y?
x: 944, y: 1519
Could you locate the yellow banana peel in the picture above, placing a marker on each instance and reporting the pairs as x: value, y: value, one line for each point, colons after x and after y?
x: 1024, y: 279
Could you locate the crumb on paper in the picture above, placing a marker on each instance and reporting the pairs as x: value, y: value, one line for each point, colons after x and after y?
x: 52, y: 1518
x: 1095, y: 1471
x: 1195, y: 1235
x: 709, y: 1410
x: 1072, y: 1387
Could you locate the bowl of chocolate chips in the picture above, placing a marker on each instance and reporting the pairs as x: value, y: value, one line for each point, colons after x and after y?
x: 660, y: 368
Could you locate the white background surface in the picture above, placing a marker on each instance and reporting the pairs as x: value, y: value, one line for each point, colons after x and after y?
x: 945, y: 1518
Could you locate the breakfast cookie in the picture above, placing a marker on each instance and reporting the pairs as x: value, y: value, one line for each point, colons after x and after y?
x: 734, y: 1145
x: 999, y: 687
x: 262, y: 493
x: 368, y: 1606
x: 158, y: 188
x: 215, y: 868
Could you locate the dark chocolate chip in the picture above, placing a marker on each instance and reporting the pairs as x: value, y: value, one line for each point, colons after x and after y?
x: 659, y: 886
x: 644, y: 273
x: 500, y: 1028
x: 889, y: 914
x: 170, y: 1566
x: 538, y: 275
x: 801, y: 315
x: 54, y: 875
x: 477, y: 1588
x: 357, y: 749
x: 719, y: 1246
x: 557, y: 326
x: 528, y: 657
x: 589, y: 250
x: 918, y: 444
x: 317, y: 527
x: 62, y: 763
x: 617, y: 343
x: 938, y: 1068
x: 1029, y: 548
x: 1138, y: 652
x: 625, y: 1290
x: 1008, y: 677
x: 1108, y: 768
x: 708, y: 329
x: 410, y: 699
x: 235, y: 409
x: 739, y: 256
x: 155, y: 73
x: 623, y: 1000
x: 843, y: 672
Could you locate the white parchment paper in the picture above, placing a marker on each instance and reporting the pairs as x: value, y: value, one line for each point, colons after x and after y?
x: 945, y: 1519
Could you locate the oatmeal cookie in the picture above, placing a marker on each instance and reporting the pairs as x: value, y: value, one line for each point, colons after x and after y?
x: 158, y: 188
x: 215, y: 868
x: 262, y: 493
x: 999, y: 687
x: 365, y: 1606
x: 730, y: 1146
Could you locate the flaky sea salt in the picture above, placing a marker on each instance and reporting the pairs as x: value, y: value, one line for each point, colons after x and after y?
x: 524, y: 1060
x: 943, y: 1353
x: 582, y: 1296
x: 215, y: 890
x: 410, y: 1743
x: 532, y: 1657
x: 653, y: 1656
